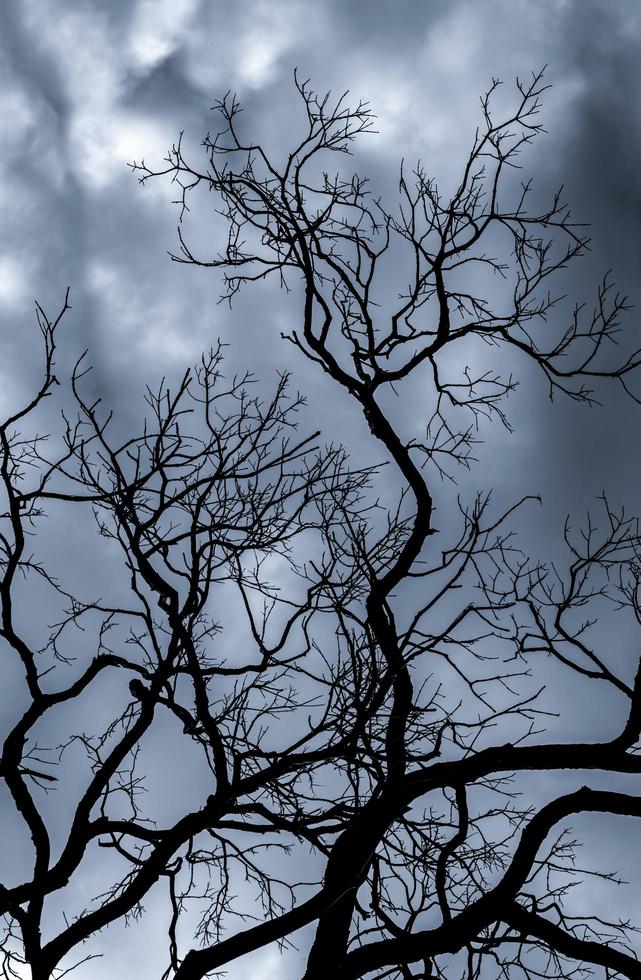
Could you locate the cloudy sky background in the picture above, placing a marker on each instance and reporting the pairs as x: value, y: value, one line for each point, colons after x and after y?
x: 86, y: 87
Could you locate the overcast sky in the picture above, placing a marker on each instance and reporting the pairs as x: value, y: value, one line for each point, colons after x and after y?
x: 86, y: 87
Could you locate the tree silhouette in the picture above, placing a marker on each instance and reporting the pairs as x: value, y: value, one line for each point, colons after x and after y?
x: 380, y: 719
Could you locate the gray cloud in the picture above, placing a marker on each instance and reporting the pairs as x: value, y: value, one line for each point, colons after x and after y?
x: 87, y: 87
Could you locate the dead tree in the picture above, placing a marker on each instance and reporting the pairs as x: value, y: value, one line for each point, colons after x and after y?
x: 380, y: 716
x: 216, y: 485
x: 454, y: 627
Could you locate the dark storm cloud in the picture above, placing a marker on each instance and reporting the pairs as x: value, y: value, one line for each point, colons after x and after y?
x: 88, y: 86
x: 596, y: 149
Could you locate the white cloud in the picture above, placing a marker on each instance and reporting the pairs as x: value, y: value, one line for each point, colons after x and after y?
x: 428, y: 106
x: 83, y: 43
x: 95, y: 58
x: 104, y: 144
x: 267, y: 35
x: 14, y: 283
x: 145, y: 318
x: 268, y: 967
x: 84, y: 48
x: 158, y: 27
x: 258, y: 37
x: 17, y: 118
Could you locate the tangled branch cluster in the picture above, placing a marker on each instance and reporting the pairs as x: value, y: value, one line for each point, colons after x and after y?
x: 375, y: 716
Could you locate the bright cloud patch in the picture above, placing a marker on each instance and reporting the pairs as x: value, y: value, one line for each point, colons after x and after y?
x: 158, y: 28
x: 144, y: 317
x: 14, y: 282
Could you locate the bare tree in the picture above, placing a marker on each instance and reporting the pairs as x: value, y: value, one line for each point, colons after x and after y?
x: 385, y: 727
x: 216, y: 485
